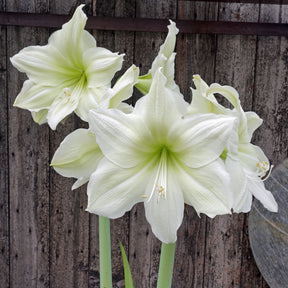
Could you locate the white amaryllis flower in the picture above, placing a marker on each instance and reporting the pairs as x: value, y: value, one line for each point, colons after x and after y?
x: 79, y: 154
x: 68, y: 74
x: 158, y: 156
x: 164, y: 59
x: 247, y: 164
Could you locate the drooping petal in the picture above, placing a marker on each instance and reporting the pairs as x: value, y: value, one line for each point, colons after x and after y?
x: 242, y: 198
x: 123, y: 138
x: 207, y: 188
x: 257, y: 188
x: 100, y: 66
x: 113, y: 190
x: 197, y: 140
x: 77, y: 156
x: 227, y: 91
x: 165, y: 215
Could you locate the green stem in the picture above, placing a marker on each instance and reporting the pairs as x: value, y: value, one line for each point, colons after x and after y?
x: 166, y: 265
x: 105, y: 253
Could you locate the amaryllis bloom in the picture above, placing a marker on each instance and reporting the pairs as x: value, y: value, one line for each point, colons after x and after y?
x: 79, y: 154
x: 164, y: 59
x: 68, y: 74
x: 247, y: 164
x: 158, y: 156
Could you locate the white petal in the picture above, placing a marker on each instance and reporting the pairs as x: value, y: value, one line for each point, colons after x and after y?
x: 100, y: 66
x: 227, y: 91
x: 161, y: 107
x: 113, y: 190
x: 40, y: 117
x: 166, y: 48
x: 123, y: 88
x: 169, y: 72
x: 89, y: 100
x: 44, y: 65
x: 251, y: 156
x: 199, y: 139
x: 123, y: 138
x: 77, y: 156
x: 165, y: 215
x: 257, y: 188
x: 36, y: 97
x: 242, y: 198
x: 125, y: 108
x: 253, y: 122
x: 81, y: 181
x: 62, y: 106
x: 207, y: 188
x: 72, y: 40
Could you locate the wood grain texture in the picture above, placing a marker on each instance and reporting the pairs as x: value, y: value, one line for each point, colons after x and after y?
x: 28, y: 170
x: 4, y: 162
x: 226, y: 236
x: 46, y: 237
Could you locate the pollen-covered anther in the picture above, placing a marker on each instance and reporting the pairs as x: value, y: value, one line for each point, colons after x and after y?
x: 263, y: 169
x: 161, y: 191
x: 67, y: 94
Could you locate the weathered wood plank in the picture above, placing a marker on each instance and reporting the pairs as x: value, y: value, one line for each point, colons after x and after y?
x: 209, y: 253
x: 195, y: 55
x: 271, y: 86
x: 226, y: 246
x: 4, y: 164
x: 69, y: 222
x: 28, y: 170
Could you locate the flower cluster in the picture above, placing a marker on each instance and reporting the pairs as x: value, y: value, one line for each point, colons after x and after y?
x: 164, y: 152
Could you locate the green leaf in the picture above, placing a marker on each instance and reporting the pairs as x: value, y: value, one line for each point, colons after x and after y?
x: 127, y: 271
x: 144, y: 83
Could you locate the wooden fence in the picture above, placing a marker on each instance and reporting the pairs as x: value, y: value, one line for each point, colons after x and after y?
x: 46, y: 237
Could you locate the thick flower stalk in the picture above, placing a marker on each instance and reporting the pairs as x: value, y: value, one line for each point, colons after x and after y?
x: 247, y: 164
x: 68, y: 74
x: 79, y: 154
x: 158, y: 156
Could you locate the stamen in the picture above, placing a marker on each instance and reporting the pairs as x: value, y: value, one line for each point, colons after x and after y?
x: 161, y: 177
x: 263, y: 169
